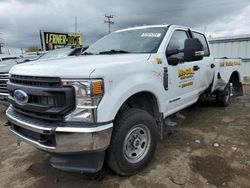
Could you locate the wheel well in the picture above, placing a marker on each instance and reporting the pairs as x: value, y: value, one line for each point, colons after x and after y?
x: 144, y: 101
x: 234, y: 77
x: 236, y: 84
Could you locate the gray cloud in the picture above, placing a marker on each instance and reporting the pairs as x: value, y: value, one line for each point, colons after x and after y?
x: 21, y: 20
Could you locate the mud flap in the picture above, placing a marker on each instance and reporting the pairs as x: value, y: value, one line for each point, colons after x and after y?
x: 239, y: 90
x: 161, y: 125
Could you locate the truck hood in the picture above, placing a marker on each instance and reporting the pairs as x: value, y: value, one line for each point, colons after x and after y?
x: 76, y: 67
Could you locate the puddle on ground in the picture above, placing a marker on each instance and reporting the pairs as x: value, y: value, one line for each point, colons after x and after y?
x: 214, y: 168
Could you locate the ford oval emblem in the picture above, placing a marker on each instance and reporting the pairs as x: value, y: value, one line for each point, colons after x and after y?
x: 20, y: 97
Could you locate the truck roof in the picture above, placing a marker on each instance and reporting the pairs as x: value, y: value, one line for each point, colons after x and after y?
x: 158, y: 25
x: 142, y: 27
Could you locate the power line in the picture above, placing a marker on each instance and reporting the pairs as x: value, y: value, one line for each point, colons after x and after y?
x: 109, y: 17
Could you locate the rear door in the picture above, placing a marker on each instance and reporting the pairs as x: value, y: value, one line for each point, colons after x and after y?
x: 206, y: 65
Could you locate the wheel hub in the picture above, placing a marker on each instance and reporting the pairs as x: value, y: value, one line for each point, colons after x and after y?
x: 136, y: 143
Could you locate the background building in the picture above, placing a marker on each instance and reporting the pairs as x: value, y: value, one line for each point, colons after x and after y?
x: 233, y: 47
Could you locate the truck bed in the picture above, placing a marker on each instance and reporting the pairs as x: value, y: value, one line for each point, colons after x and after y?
x: 224, y: 69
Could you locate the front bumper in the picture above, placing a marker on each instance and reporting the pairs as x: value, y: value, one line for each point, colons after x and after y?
x: 60, y: 137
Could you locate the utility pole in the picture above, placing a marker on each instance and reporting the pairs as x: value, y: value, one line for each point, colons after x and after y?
x: 75, y: 25
x: 205, y: 29
x: 41, y: 40
x: 76, y: 38
x: 109, y: 17
x: 1, y: 45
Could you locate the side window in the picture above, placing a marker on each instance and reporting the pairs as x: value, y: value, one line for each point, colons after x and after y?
x: 177, y: 42
x: 203, y: 40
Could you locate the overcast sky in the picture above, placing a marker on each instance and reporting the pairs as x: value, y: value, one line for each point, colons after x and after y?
x: 21, y: 20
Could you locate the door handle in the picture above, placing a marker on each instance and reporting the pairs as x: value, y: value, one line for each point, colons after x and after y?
x: 212, y: 66
x: 196, y: 67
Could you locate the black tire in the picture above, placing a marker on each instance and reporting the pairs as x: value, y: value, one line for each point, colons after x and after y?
x: 223, y: 97
x: 117, y: 158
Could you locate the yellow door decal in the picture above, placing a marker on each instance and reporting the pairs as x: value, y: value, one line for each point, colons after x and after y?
x: 186, y: 77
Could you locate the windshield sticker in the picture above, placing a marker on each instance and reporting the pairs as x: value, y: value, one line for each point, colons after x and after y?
x: 151, y: 35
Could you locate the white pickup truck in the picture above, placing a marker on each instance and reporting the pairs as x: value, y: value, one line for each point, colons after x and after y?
x: 111, y: 102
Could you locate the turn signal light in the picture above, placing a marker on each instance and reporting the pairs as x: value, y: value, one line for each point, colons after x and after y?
x: 97, y: 88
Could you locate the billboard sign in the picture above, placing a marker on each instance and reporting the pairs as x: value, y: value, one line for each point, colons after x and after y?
x: 52, y: 40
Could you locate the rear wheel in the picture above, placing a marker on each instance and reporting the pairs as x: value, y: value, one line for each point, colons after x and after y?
x: 133, y: 142
x: 223, y: 97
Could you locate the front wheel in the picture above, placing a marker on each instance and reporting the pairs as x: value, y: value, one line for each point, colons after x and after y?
x: 133, y: 142
x: 223, y: 97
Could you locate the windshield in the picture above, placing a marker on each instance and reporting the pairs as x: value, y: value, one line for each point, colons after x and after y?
x: 132, y: 41
x: 53, y: 54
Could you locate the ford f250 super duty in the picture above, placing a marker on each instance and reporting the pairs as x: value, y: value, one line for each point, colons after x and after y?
x: 111, y: 102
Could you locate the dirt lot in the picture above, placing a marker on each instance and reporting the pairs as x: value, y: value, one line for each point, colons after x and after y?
x: 186, y: 158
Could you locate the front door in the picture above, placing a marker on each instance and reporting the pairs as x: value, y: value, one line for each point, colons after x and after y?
x: 183, y: 78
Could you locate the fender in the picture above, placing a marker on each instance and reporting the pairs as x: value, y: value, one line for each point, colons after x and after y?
x: 119, y: 92
x: 223, y: 74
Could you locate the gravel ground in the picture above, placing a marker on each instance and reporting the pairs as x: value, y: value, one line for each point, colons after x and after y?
x: 210, y: 148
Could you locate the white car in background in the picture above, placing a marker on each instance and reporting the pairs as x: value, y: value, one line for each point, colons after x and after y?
x: 4, y: 57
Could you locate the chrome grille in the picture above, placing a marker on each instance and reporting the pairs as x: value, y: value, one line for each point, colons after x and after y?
x: 47, y: 98
x: 4, y: 77
x: 35, y: 81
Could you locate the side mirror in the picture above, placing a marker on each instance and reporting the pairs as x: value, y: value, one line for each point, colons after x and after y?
x: 172, y: 52
x: 193, y: 50
x: 173, y: 61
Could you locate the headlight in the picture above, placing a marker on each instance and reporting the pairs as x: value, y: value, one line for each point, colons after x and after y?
x: 88, y: 94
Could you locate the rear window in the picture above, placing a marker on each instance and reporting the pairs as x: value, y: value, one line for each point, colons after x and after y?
x: 203, y: 40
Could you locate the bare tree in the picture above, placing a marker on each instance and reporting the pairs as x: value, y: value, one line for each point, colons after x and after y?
x: 33, y: 49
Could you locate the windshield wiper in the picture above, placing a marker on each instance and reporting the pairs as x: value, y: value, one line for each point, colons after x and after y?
x: 87, y: 53
x: 114, y: 52
x: 22, y: 61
